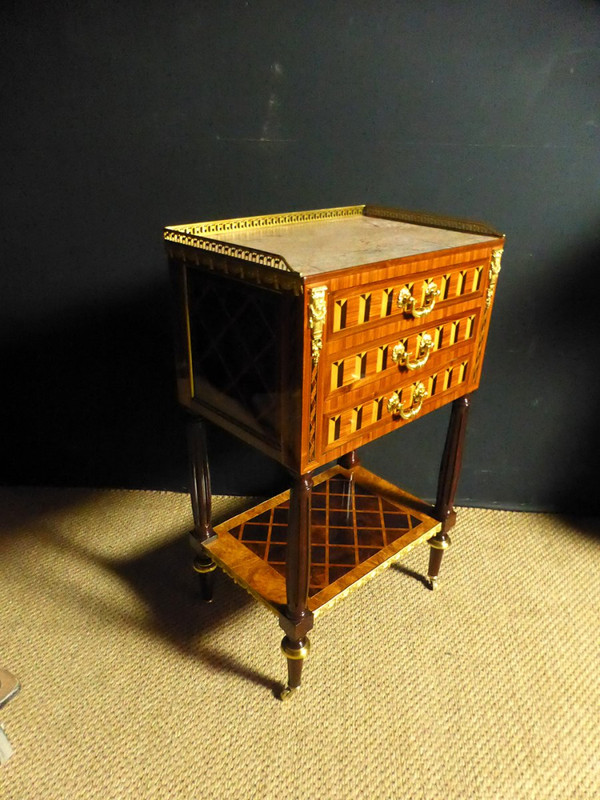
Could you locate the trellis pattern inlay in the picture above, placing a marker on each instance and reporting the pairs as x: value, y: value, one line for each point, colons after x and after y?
x: 349, y: 525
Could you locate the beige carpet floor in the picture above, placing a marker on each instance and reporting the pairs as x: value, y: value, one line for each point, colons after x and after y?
x: 132, y: 688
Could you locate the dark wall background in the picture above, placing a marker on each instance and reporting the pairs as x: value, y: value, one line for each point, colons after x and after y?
x: 119, y: 118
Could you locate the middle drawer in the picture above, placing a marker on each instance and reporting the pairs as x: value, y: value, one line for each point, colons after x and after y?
x: 394, y: 352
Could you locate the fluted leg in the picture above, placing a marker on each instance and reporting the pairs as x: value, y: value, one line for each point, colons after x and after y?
x: 297, y: 620
x: 201, y: 497
x: 447, y: 484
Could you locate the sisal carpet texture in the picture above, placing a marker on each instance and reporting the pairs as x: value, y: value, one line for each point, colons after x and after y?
x: 132, y: 688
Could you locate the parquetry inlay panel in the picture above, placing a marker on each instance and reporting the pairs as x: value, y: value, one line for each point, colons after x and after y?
x: 349, y: 525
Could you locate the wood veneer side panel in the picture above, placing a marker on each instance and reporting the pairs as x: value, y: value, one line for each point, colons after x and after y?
x: 270, y: 315
x: 233, y: 426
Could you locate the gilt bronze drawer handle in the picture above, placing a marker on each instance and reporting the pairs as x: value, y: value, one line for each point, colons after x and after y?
x: 407, y: 302
x: 403, y: 358
x: 395, y: 405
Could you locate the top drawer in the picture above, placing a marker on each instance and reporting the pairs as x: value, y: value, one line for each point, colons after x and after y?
x: 426, y: 293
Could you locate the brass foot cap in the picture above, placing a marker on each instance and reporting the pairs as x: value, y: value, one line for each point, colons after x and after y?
x: 438, y: 544
x: 433, y: 582
x: 287, y: 693
x: 204, y: 567
x: 295, y: 653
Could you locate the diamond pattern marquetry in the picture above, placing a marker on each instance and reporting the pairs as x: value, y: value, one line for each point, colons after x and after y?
x: 349, y: 525
x: 235, y: 343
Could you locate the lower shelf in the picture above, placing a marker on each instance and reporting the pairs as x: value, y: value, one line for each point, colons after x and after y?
x: 360, y: 524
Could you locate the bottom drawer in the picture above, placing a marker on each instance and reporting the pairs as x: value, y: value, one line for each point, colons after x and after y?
x: 413, y: 397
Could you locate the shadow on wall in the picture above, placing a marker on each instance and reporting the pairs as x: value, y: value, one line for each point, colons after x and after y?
x: 92, y: 402
x: 573, y: 346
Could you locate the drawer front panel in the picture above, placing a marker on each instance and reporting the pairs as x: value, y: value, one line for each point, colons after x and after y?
x: 412, y: 298
x: 413, y: 395
x: 376, y: 349
x: 394, y: 355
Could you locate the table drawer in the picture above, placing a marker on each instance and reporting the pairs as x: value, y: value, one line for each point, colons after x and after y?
x: 423, y: 292
x: 394, y: 352
x: 410, y: 340
x: 392, y: 401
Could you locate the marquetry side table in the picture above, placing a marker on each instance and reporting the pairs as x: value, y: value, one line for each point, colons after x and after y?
x: 308, y: 334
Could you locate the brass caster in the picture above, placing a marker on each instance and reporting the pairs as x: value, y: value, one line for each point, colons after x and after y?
x: 286, y: 693
x: 433, y: 582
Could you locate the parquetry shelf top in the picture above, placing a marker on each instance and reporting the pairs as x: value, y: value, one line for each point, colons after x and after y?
x: 328, y: 242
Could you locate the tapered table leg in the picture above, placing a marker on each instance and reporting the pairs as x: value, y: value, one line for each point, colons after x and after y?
x: 201, y: 497
x: 297, y: 620
x: 447, y: 483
